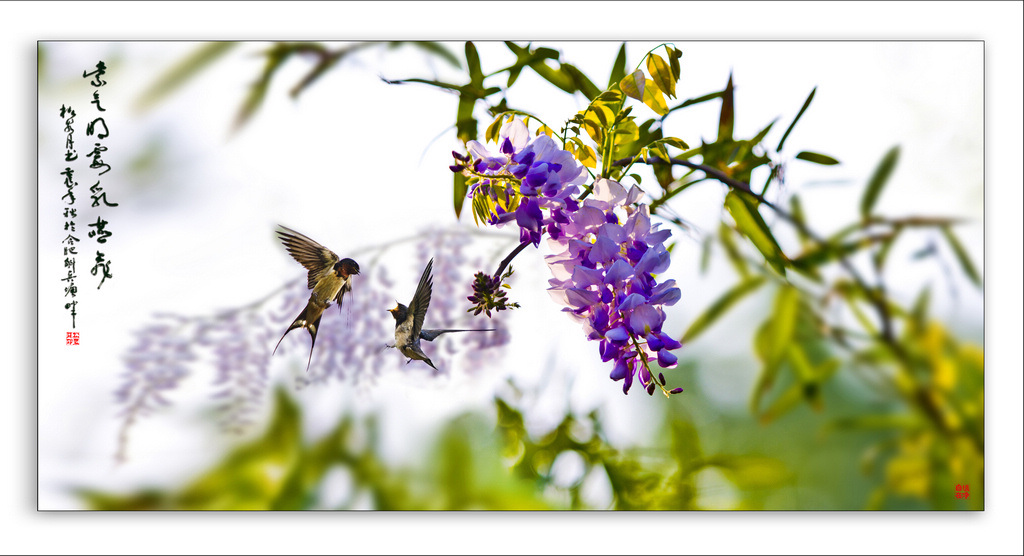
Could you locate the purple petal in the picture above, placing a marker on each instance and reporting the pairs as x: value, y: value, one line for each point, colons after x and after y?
x: 620, y: 371
x: 631, y: 302
x: 529, y: 216
x: 620, y: 270
x: 603, y: 251
x: 665, y: 296
x: 613, y: 232
x: 645, y: 319
x: 582, y: 298
x: 668, y: 341
x: 617, y: 334
x: 609, y: 351
x: 583, y: 276
x: 655, y: 260
x: 666, y: 359
x: 660, y: 236
x: 506, y: 146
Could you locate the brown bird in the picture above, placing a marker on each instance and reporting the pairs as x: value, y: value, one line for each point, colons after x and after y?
x: 409, y: 321
x: 330, y: 277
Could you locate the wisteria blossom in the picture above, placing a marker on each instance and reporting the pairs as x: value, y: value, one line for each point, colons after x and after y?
x: 606, y: 250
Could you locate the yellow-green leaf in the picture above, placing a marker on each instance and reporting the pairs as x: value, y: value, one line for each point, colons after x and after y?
x: 654, y: 98
x: 787, y: 307
x: 751, y: 225
x: 493, y: 131
x: 633, y: 85
x: 673, y: 59
x: 459, y: 189
x: 661, y: 74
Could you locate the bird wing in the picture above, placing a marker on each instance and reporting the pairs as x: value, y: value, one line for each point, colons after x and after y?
x: 316, y: 258
x: 420, y: 301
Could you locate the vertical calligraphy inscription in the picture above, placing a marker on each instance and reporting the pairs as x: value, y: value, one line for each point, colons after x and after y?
x: 99, y: 130
x: 67, y: 113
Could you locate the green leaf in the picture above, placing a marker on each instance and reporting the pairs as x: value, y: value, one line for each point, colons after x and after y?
x: 476, y: 75
x: 676, y: 142
x: 750, y: 224
x: 784, y: 315
x: 721, y: 305
x: 797, y: 210
x: 465, y: 123
x: 673, y: 61
x: 459, y: 189
x: 877, y: 181
x: 961, y: 256
x: 633, y: 85
x: 182, y: 72
x: 803, y: 108
x: 661, y: 74
x: 817, y: 158
x: 727, y: 116
x: 275, y: 58
x: 618, y: 68
x: 732, y: 250
x: 493, y: 131
x: 761, y: 134
x: 581, y: 81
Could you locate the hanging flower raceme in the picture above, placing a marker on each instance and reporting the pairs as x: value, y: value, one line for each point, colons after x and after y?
x: 606, y: 250
x: 603, y: 273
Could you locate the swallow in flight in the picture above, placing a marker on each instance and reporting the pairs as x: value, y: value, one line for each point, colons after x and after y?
x: 330, y: 277
x: 409, y: 322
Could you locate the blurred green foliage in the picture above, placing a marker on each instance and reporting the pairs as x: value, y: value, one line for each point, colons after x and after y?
x: 907, y: 443
x: 473, y: 465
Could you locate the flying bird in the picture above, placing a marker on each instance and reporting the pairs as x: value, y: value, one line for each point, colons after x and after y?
x: 409, y: 321
x: 330, y: 277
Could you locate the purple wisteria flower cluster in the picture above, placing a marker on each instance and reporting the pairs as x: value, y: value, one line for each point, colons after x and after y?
x: 528, y: 174
x: 605, y: 249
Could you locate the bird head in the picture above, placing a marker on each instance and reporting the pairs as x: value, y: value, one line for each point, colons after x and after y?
x: 399, y: 312
x: 346, y: 268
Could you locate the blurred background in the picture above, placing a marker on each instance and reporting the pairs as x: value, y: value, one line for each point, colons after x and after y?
x: 532, y: 421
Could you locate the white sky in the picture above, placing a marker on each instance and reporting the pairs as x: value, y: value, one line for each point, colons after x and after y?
x: 869, y: 97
